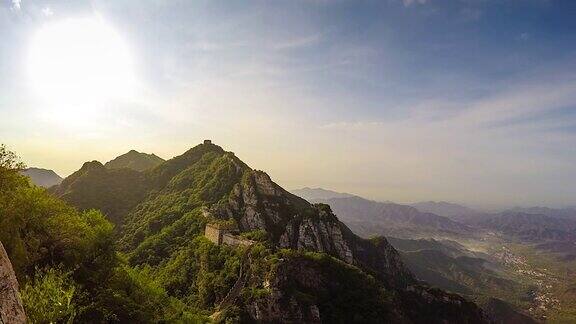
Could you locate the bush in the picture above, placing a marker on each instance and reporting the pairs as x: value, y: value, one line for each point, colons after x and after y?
x: 50, y: 297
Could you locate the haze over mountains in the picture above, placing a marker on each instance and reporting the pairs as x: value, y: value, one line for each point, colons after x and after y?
x: 450, y: 210
x: 311, y: 194
x: 370, y: 218
x: 486, y: 256
x: 42, y: 177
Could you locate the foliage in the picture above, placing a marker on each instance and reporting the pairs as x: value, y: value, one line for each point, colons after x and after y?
x: 48, y: 298
x: 207, y: 181
x: 256, y: 235
x: 349, y: 294
x: 133, y: 295
x: 201, y: 273
x: 38, y: 229
x: 81, y: 274
x: 113, y: 191
x: 135, y: 160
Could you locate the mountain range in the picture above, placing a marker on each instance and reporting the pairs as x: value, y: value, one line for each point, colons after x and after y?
x: 453, y: 211
x: 569, y: 212
x: 305, y: 258
x: 532, y: 227
x: 369, y: 218
x: 501, y: 260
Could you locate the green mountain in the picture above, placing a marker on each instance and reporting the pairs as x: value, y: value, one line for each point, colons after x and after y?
x: 112, y: 191
x: 42, y: 177
x: 66, y: 264
x: 135, y: 160
x: 306, y: 266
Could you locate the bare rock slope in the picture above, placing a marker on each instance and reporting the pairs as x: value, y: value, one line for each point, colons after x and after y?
x: 11, y: 309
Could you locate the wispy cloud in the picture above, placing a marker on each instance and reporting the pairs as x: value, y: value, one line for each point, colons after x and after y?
x: 470, y: 14
x: 408, y: 3
x: 47, y: 12
x: 299, y: 42
x: 16, y: 5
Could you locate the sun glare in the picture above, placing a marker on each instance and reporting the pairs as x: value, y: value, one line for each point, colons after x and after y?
x: 79, y: 62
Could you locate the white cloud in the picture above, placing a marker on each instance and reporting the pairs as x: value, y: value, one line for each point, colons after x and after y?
x: 47, y: 12
x: 512, y: 146
x: 298, y: 42
x: 408, y: 3
x: 16, y: 5
x: 524, y: 36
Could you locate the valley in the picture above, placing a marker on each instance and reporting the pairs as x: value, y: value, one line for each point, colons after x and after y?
x: 519, y: 256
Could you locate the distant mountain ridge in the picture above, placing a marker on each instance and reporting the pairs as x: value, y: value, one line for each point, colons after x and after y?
x: 369, y: 218
x: 113, y: 191
x: 451, y: 210
x: 42, y: 177
x: 135, y: 160
x: 532, y: 227
x: 569, y: 212
x: 318, y: 193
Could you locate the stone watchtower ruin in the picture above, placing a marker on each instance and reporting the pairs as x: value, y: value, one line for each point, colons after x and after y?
x: 225, y: 234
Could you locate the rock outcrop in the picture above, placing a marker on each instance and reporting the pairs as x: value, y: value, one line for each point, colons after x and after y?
x: 11, y: 308
x: 257, y: 203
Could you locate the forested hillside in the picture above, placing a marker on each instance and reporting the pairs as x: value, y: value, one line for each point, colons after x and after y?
x: 135, y: 160
x: 161, y: 235
x: 66, y: 262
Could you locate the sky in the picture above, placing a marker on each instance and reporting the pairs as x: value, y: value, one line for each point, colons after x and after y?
x: 469, y: 101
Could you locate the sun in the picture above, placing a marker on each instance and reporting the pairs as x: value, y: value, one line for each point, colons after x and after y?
x: 77, y: 62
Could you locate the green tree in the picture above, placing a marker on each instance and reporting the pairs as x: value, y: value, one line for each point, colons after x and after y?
x: 48, y: 298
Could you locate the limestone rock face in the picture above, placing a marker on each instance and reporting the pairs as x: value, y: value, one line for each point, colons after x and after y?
x: 282, y: 307
x: 257, y: 203
x: 11, y: 309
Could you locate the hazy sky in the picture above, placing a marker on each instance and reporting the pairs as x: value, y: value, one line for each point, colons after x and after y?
x: 471, y: 101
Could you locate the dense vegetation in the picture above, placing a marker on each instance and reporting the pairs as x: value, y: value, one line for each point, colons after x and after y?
x: 135, y: 160
x: 66, y: 263
x: 114, y: 192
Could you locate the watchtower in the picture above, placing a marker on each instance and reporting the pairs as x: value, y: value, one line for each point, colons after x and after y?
x: 227, y: 234
x: 215, y: 231
x: 207, y: 142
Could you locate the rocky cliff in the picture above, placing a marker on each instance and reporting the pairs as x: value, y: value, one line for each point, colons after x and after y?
x: 11, y: 309
x: 257, y: 203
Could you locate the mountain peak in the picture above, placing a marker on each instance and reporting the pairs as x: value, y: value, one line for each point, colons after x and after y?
x: 135, y: 160
x: 92, y: 165
x: 42, y: 177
